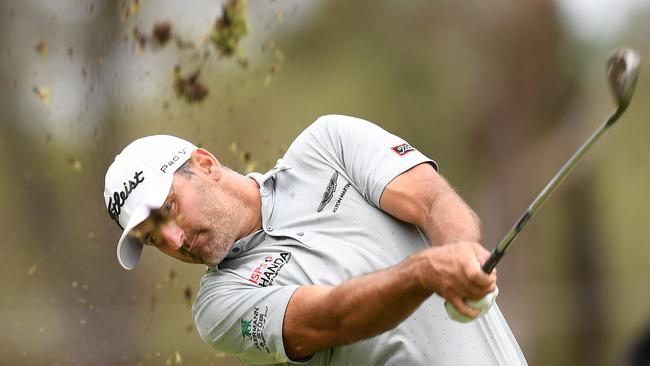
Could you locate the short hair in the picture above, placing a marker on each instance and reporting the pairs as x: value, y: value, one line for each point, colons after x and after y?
x: 186, y: 170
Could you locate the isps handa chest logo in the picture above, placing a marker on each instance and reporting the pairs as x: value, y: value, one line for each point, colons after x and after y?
x: 118, y: 199
x: 267, y: 271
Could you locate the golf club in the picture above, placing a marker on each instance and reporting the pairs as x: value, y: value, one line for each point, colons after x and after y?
x: 622, y: 72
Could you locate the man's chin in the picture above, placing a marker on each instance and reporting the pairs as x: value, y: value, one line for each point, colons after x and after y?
x: 208, y: 256
x: 191, y: 260
x: 214, y: 261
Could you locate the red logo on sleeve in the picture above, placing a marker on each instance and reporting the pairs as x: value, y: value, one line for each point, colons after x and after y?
x: 403, y: 149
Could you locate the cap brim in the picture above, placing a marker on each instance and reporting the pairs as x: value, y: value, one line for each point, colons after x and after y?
x: 129, y: 248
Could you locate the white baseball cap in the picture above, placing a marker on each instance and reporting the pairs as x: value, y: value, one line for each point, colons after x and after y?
x: 138, y: 181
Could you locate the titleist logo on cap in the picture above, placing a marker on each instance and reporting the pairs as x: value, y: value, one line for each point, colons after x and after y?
x: 118, y: 199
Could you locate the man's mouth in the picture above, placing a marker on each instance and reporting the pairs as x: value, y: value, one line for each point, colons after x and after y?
x: 190, y: 244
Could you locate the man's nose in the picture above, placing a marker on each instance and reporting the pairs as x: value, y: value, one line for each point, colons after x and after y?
x: 173, y: 234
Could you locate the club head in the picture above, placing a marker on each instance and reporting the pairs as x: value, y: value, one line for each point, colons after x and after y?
x: 622, y: 72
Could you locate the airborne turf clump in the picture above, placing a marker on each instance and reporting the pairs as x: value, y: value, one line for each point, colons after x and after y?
x: 161, y: 33
x: 189, y: 87
x: 230, y: 27
x: 224, y: 35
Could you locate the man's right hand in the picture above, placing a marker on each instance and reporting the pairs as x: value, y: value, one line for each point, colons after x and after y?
x: 454, y: 272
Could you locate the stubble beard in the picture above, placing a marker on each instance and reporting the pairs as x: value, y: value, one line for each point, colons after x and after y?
x: 221, y: 231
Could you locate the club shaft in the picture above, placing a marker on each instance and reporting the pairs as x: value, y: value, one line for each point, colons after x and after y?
x: 500, y: 249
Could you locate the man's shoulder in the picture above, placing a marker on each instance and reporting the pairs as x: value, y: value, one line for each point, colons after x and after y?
x: 218, y: 279
x: 327, y: 132
x: 219, y: 284
x: 335, y: 123
x: 224, y: 277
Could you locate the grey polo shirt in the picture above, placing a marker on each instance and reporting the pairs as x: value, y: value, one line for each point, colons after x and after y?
x: 322, y: 225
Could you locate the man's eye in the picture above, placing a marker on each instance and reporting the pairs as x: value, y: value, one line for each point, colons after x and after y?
x: 169, y: 206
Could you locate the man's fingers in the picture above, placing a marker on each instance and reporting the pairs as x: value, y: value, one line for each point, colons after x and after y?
x: 475, y: 274
x: 479, y: 283
x: 477, y: 292
x: 480, y: 251
x: 482, y: 254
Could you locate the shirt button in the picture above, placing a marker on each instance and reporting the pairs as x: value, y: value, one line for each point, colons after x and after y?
x: 268, y: 228
x: 300, y: 233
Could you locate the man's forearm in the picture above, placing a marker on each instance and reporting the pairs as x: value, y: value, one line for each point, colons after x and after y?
x: 371, y: 304
x: 358, y: 308
x: 449, y: 219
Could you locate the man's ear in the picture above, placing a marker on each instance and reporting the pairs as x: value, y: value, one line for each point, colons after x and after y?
x: 205, y: 163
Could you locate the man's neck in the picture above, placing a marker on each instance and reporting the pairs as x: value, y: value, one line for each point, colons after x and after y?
x: 252, y: 201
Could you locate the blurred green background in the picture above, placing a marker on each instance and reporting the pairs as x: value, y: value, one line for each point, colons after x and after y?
x: 499, y: 93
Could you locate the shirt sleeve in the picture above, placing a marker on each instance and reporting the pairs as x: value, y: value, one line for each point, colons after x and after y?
x: 241, y: 320
x: 370, y: 156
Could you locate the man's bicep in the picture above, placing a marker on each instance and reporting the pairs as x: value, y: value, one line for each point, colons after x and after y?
x: 410, y: 195
x: 307, y: 326
x: 241, y: 320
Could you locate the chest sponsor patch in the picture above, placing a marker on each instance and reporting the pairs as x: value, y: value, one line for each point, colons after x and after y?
x: 265, y: 273
x: 403, y: 149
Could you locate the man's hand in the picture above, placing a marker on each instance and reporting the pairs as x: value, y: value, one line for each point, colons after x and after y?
x: 454, y: 272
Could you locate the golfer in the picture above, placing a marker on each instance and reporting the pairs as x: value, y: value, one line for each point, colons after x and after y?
x: 342, y: 254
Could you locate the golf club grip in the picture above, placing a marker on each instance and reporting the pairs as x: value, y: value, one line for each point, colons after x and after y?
x: 489, y: 264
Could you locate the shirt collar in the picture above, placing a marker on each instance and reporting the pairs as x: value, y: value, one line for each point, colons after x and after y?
x: 262, y: 178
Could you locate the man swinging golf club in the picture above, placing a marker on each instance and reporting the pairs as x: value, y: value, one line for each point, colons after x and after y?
x: 344, y: 253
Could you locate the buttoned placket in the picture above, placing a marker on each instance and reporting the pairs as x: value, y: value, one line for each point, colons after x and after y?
x: 267, y: 192
x: 267, y: 195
